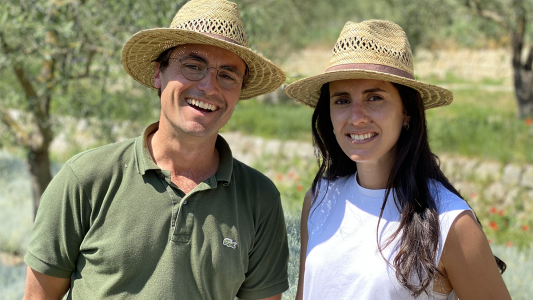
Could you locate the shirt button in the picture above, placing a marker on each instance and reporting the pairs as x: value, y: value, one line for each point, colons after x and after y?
x: 185, y: 202
x: 161, y: 175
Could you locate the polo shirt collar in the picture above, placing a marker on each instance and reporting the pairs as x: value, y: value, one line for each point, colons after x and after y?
x: 145, y: 162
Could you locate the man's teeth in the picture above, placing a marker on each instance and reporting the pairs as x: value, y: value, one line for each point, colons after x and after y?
x: 200, y: 104
x: 360, y: 137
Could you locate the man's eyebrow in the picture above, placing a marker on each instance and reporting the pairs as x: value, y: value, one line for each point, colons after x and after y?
x: 372, y: 90
x: 196, y: 56
x: 199, y: 57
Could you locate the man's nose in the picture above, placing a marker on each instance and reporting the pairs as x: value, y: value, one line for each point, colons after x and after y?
x: 209, y: 83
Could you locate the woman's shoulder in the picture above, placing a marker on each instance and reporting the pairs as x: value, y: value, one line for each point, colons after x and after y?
x: 445, y: 199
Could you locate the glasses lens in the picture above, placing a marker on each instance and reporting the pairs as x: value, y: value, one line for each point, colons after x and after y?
x: 193, y: 69
x: 228, y: 77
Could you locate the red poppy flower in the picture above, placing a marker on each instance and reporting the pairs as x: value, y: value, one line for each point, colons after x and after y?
x: 493, y: 225
x: 279, y: 176
x: 525, y: 228
x: 528, y: 121
x: 299, y: 188
x: 509, y: 244
x: 493, y: 210
x: 501, y: 213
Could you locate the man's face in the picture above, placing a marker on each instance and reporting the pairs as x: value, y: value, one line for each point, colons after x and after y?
x: 197, y: 108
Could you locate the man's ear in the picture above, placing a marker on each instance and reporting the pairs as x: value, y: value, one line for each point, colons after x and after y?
x: 157, y: 76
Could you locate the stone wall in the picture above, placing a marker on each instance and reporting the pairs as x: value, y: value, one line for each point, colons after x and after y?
x: 502, y: 185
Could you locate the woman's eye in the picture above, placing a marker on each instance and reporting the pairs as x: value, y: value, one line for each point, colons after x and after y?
x: 375, y: 98
x: 342, y: 101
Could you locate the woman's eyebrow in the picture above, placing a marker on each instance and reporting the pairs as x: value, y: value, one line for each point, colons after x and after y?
x: 336, y: 94
x: 372, y: 90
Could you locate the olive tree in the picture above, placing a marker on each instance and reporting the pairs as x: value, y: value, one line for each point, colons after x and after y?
x: 514, y: 16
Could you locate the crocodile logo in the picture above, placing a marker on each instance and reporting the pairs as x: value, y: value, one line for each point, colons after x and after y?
x: 229, y: 243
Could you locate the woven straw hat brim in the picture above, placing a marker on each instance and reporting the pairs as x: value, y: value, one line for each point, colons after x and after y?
x: 145, y: 46
x: 307, y: 90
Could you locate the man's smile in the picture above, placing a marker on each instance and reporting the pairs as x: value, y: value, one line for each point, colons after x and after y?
x: 202, y: 106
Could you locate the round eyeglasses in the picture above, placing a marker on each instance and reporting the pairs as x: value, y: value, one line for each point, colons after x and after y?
x: 195, y: 69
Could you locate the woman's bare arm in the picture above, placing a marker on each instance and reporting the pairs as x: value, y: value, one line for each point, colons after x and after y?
x: 469, y: 262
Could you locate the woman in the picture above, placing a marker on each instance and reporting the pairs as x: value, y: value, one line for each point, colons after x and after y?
x: 381, y: 220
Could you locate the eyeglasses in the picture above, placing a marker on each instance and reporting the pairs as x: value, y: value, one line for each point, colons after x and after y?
x: 194, y: 69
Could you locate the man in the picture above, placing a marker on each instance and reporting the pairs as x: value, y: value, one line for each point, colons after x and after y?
x: 169, y: 215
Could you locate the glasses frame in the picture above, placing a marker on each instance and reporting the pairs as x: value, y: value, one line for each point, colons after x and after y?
x: 182, y: 65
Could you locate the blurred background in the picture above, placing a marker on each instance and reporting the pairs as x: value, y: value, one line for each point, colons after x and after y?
x: 63, y: 90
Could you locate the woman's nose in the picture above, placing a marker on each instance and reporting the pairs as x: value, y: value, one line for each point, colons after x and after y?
x: 358, y: 114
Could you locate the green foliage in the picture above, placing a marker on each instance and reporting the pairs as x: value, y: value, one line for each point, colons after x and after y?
x: 284, y: 121
x: 482, y: 124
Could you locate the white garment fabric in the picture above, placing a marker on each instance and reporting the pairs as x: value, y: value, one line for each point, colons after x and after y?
x: 343, y: 260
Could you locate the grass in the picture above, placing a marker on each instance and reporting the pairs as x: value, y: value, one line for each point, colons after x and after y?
x: 283, y: 121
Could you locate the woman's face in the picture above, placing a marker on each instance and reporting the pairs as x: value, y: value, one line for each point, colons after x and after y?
x: 367, y: 116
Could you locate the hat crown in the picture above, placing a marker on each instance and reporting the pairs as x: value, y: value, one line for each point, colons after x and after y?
x: 218, y: 17
x: 373, y: 42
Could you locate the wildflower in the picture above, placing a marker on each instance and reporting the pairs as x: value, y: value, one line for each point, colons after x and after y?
x: 493, y: 210
x: 528, y: 121
x: 509, y: 244
x: 291, y: 174
x: 473, y: 195
x: 490, y: 241
x: 525, y: 228
x: 279, y: 176
x: 299, y: 188
x: 501, y: 213
x: 493, y: 225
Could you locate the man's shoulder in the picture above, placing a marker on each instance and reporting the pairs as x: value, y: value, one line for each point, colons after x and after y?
x: 104, y: 157
x: 251, y: 178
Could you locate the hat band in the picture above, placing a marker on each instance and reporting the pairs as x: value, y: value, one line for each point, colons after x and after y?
x: 373, y: 67
x: 221, y: 37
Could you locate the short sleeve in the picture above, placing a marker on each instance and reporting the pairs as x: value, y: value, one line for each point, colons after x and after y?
x: 268, y: 259
x: 450, y: 207
x: 59, y: 226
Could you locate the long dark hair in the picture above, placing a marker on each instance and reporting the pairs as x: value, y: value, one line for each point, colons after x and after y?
x: 410, y: 177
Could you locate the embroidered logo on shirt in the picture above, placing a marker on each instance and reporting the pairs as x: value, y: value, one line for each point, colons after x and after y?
x: 229, y: 243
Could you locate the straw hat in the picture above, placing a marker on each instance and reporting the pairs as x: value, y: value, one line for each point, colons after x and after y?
x: 210, y: 22
x: 372, y: 49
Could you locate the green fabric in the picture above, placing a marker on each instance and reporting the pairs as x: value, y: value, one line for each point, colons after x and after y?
x: 113, y: 222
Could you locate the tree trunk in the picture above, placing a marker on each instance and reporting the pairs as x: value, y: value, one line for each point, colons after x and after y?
x: 523, y: 83
x: 39, y: 167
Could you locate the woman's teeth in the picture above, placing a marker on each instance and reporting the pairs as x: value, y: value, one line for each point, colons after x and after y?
x: 360, y: 137
x: 200, y: 104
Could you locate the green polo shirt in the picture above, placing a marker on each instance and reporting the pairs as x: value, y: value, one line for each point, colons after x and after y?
x: 113, y: 222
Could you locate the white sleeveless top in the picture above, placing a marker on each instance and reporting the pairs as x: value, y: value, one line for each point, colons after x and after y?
x: 343, y: 261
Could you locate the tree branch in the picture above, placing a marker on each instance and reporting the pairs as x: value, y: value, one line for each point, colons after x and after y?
x: 19, y: 71
x: 87, y: 72
x: 476, y: 7
x: 20, y: 134
x: 518, y: 40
